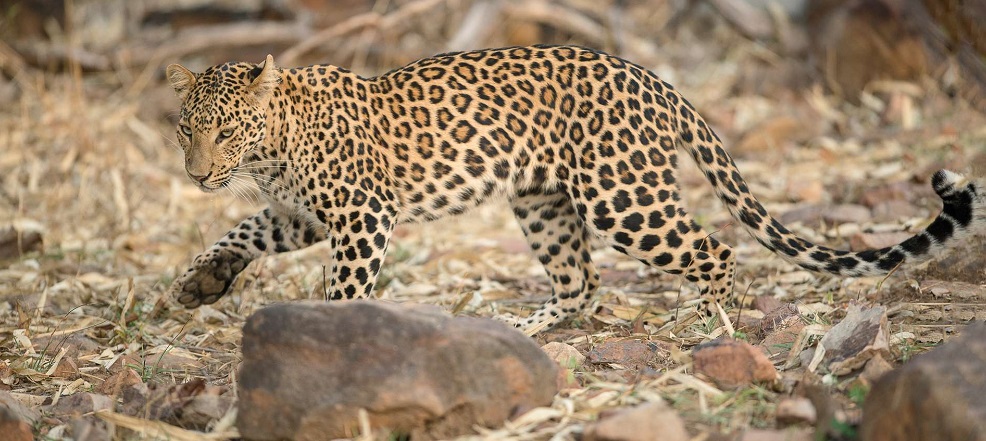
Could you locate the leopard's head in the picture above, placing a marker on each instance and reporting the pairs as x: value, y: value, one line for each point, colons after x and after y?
x: 223, y: 116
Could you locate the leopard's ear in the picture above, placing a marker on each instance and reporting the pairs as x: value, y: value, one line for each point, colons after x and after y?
x: 181, y: 79
x: 265, y: 78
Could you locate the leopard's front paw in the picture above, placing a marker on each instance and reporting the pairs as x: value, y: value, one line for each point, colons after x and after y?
x: 208, y: 279
x: 510, y: 319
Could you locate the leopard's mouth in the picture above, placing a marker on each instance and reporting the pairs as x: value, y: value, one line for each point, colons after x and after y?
x: 209, y: 187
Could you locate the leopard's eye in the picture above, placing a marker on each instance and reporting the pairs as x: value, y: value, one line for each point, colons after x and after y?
x: 225, y: 133
x: 186, y: 130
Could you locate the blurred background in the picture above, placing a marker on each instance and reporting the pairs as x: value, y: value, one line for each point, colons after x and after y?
x: 845, y: 44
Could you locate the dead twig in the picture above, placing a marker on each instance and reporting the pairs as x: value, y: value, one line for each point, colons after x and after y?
x: 370, y: 19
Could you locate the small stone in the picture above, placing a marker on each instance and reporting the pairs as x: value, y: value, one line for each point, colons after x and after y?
x: 81, y: 403
x: 789, y: 434
x: 67, y: 369
x: 564, y: 354
x: 13, y: 427
x: 568, y: 359
x: 795, y: 410
x: 15, y: 243
x: 204, y: 409
x: 779, y: 342
x: 631, y: 354
x: 875, y: 368
x: 771, y: 134
x: 310, y: 367
x: 856, y: 339
x: 651, y: 421
x: 91, y: 429
x: 781, y: 317
x: 116, y: 383
x: 872, y: 241
x: 806, y: 356
x: 732, y: 363
x: 961, y: 263
x: 831, y: 214
x: 894, y: 210
x: 939, y: 395
x: 134, y: 399
x: 766, y: 304
x: 22, y: 412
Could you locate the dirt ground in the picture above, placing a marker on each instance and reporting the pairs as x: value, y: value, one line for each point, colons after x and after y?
x: 90, y: 162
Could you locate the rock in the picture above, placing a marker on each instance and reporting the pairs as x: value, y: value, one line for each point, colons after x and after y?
x: 631, y: 354
x: 779, y: 342
x: 309, y: 367
x: 831, y: 214
x: 116, y: 383
x: 772, y: 134
x: 192, y: 404
x: 15, y: 242
x: 653, y: 420
x: 791, y: 434
x: 18, y: 409
x: 67, y: 369
x: 894, y: 210
x: 91, y: 429
x: 732, y: 363
x: 766, y: 304
x: 872, y: 241
x: 795, y: 410
x: 13, y: 427
x: 856, y: 339
x: 781, y: 317
x: 568, y: 359
x: 962, y: 263
x: 875, y: 368
x: 939, y: 395
x: 134, y: 399
x: 81, y: 403
x: 564, y: 354
x: 204, y: 409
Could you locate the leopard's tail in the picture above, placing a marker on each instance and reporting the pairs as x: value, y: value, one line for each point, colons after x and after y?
x: 964, y: 212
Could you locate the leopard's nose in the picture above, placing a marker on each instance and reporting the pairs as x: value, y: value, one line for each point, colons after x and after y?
x: 200, y: 178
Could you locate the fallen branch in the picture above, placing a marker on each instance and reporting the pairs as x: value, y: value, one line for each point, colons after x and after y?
x: 355, y: 23
x: 207, y: 38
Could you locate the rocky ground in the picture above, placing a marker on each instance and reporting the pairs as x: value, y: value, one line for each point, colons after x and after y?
x: 96, y: 218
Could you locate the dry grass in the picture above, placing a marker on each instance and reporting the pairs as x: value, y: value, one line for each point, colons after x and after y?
x: 89, y: 160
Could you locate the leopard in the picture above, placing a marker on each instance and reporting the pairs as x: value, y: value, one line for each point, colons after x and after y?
x: 583, y: 145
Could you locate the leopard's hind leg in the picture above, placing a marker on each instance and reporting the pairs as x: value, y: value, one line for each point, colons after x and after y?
x: 558, y: 238
x: 661, y: 234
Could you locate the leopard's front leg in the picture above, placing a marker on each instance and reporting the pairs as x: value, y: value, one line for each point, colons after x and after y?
x: 360, y: 239
x: 212, y: 272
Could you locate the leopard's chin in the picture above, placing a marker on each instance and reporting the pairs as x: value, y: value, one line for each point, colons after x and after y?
x: 206, y: 188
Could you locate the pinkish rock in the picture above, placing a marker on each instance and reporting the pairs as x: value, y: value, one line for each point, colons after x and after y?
x: 732, y: 363
x: 13, y: 427
x: 81, y: 403
x: 564, y: 354
x: 795, y: 410
x: 310, y: 367
x: 789, y: 434
x: 651, y: 421
x: 631, y: 354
